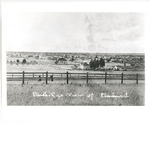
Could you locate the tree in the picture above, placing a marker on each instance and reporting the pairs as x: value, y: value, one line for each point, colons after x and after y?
x: 96, y: 63
x: 17, y: 60
x: 92, y: 64
x: 72, y: 59
x: 24, y: 61
x: 102, y: 62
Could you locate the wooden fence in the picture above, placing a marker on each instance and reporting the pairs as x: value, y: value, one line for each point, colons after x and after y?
x: 51, y: 76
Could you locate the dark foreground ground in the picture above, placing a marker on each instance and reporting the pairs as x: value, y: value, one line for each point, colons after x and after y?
x: 58, y: 94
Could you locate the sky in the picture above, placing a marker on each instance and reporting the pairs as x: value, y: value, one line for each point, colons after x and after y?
x: 73, y: 32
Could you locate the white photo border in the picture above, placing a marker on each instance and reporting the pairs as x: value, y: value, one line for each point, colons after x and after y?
x: 77, y: 113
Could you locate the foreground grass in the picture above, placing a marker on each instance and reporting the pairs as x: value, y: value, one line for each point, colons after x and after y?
x: 75, y: 94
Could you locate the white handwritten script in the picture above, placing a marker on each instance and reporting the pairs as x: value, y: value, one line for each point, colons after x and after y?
x: 113, y: 95
x: 54, y: 95
x: 90, y: 96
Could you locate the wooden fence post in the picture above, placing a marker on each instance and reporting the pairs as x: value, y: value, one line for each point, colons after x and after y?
x: 137, y: 78
x: 105, y: 77
x: 46, y: 76
x: 23, y: 77
x: 122, y: 78
x: 67, y: 77
x: 87, y: 78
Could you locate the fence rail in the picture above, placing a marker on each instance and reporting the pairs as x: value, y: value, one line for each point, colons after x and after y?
x: 51, y: 76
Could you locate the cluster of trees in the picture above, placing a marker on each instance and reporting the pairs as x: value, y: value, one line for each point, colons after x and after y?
x: 72, y: 58
x: 23, y: 61
x: 96, y: 63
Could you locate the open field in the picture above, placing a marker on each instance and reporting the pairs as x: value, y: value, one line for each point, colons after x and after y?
x: 53, y: 67
x: 75, y: 94
x: 63, y: 81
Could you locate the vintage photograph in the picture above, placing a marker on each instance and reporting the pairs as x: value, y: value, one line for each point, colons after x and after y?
x: 66, y: 69
x: 74, y: 58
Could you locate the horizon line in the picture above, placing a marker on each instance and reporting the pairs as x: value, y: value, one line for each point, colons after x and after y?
x: 79, y: 52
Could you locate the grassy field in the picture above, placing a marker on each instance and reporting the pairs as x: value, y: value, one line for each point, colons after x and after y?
x: 58, y: 94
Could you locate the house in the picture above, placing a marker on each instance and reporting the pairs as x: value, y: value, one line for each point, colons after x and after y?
x: 30, y: 55
x: 84, y: 66
x: 113, y: 60
x: 115, y: 68
x: 62, y: 61
x: 36, y: 56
